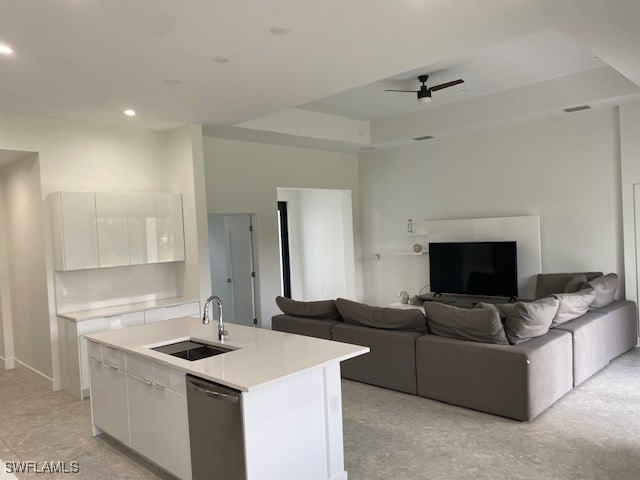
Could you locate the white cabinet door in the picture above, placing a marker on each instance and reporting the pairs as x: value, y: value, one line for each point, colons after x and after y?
x: 114, y: 322
x: 170, y: 227
x: 113, y: 235
x: 142, y: 416
x: 174, y: 452
x: 109, y: 408
x: 78, y: 229
x: 143, y: 235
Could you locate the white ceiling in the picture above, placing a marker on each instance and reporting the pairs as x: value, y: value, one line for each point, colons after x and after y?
x: 88, y: 60
x: 529, y: 59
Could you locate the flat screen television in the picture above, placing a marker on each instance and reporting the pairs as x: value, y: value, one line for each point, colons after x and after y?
x: 474, y: 268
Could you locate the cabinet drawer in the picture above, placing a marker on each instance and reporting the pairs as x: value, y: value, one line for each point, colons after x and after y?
x: 140, y: 367
x: 113, y: 357
x: 94, y: 350
x: 185, y: 310
x: 175, y: 311
x: 126, y: 320
x: 170, y: 378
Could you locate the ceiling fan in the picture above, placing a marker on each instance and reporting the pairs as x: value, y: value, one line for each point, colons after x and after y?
x: 424, y: 94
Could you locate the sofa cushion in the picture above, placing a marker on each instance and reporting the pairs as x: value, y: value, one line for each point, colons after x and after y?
x: 605, y: 289
x: 572, y: 305
x: 530, y: 320
x: 311, y: 327
x: 477, y: 324
x: 548, y: 283
x: 575, y: 284
x: 355, y: 313
x: 323, y: 309
x: 503, y: 309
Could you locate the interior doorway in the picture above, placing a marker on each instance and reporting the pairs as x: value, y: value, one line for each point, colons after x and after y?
x: 233, y: 272
x: 320, y: 242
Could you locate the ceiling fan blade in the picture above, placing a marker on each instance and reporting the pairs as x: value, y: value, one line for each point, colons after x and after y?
x: 406, y: 91
x: 446, y: 85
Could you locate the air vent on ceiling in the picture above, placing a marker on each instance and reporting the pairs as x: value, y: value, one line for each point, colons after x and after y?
x: 577, y: 109
x: 426, y: 137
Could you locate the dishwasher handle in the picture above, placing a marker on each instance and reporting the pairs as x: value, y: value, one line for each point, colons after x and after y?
x: 210, y: 393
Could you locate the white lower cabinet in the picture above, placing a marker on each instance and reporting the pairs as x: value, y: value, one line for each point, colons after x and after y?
x: 154, y: 414
x: 109, y: 408
x: 174, y: 452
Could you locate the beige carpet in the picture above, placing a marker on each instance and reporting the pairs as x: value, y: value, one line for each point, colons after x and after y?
x: 593, y: 433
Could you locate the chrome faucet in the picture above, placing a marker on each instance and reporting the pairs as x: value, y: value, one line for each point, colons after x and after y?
x: 205, y: 317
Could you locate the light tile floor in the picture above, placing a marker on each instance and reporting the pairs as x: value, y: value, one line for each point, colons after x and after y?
x: 593, y: 433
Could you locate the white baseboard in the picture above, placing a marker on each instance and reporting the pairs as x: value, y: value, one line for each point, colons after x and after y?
x: 37, y: 376
x: 8, y: 363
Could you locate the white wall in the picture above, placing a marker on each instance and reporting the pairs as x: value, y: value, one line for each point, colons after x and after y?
x: 242, y: 177
x: 184, y: 167
x: 321, y: 243
x: 630, y: 175
x: 566, y: 170
x: 6, y: 334
x: 89, y: 157
x: 25, y: 249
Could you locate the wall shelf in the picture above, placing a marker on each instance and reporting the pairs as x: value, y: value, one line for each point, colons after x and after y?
x: 410, y: 253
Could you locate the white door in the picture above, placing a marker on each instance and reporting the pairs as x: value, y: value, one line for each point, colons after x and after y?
x: 232, y: 266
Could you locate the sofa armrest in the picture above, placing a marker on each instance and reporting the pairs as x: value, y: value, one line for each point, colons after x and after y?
x: 391, y: 363
x: 515, y: 381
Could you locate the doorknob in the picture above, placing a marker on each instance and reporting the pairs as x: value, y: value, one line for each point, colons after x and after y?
x: 228, y: 280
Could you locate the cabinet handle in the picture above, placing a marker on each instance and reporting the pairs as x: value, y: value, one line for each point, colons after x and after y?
x: 158, y: 386
x: 147, y: 381
x: 221, y: 396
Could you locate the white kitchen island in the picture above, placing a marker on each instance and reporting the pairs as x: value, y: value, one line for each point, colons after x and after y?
x: 290, y: 396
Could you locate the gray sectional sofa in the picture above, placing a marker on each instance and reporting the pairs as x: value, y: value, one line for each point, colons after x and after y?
x: 515, y: 381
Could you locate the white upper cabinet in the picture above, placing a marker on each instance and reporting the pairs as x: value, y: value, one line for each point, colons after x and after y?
x: 170, y: 227
x: 113, y: 232
x: 96, y: 230
x: 74, y: 223
x: 143, y: 235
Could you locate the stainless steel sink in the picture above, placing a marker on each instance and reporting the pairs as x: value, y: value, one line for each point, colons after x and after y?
x: 191, y: 350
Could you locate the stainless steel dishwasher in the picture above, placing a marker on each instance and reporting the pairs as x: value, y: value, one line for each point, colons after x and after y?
x: 215, y: 431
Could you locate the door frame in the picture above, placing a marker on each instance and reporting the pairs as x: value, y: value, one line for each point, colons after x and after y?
x: 285, y: 261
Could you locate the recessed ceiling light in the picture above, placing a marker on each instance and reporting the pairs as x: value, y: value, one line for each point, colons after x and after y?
x: 130, y: 113
x: 221, y: 60
x: 172, y: 82
x: 5, y: 49
x: 279, y: 30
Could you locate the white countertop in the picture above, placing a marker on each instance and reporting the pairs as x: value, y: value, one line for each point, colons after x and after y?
x: 92, y: 313
x: 261, y: 357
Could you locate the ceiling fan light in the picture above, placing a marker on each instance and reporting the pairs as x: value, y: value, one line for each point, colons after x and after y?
x: 424, y: 99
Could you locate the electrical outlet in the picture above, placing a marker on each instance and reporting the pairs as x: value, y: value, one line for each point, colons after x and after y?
x: 69, y: 292
x: 149, y: 281
x: 335, y: 403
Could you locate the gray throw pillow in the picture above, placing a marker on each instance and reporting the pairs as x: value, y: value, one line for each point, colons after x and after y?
x: 323, y: 309
x: 572, y: 305
x: 575, y: 284
x: 504, y: 309
x: 531, y: 319
x: 605, y: 288
x: 477, y: 324
x: 411, y: 319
